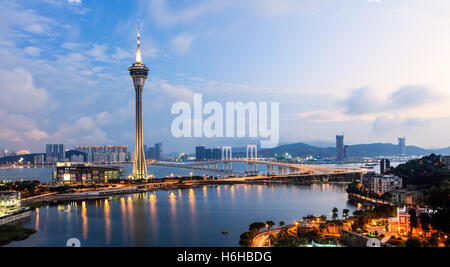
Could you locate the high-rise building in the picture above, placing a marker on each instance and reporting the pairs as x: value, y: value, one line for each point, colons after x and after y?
x: 208, y: 154
x: 158, y: 151
x: 84, y: 149
x: 402, y: 146
x: 151, y: 153
x: 54, y: 153
x: 385, y: 164
x: 340, y: 148
x: 217, y: 154
x: 139, y: 73
x: 200, y: 153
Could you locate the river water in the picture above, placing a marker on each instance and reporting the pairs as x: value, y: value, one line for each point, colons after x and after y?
x: 188, y: 217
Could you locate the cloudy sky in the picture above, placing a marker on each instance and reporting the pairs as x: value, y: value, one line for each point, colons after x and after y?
x: 373, y: 69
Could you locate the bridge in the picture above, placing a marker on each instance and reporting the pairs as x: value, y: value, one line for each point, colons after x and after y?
x: 283, y: 168
x: 225, y: 165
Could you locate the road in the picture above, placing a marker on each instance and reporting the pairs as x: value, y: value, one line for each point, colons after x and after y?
x: 261, y: 239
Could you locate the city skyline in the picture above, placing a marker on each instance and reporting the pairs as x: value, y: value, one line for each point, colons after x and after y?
x: 65, y: 69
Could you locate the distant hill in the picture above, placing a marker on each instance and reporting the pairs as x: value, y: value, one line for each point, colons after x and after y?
x: 362, y: 150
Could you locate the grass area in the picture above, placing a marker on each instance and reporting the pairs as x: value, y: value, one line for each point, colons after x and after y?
x: 10, y: 233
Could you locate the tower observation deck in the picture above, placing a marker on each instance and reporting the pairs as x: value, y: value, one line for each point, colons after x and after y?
x: 139, y: 73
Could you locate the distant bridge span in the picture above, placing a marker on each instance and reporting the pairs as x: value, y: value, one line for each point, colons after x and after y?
x: 283, y: 168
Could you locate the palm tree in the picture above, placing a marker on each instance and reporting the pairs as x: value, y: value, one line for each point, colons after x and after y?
x: 270, y: 224
x: 345, y: 213
x: 335, y: 213
x: 412, y: 220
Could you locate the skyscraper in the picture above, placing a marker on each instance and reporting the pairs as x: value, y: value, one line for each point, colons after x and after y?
x: 385, y: 164
x: 402, y: 146
x: 139, y: 73
x: 200, y: 153
x: 340, y: 148
x: 54, y: 153
x: 158, y: 151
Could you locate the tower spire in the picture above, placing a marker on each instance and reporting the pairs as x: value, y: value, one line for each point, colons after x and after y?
x: 138, y: 51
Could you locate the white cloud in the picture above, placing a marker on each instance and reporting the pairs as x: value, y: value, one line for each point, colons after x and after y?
x: 16, y: 18
x: 19, y: 92
x: 182, y: 43
x: 160, y: 10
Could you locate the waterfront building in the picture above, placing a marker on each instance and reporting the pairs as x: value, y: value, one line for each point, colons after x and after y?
x: 39, y: 159
x: 82, y: 173
x: 54, y: 153
x: 402, y: 146
x: 385, y: 165
x: 217, y: 153
x: 200, y: 153
x: 154, y: 152
x: 151, y: 153
x: 103, y: 154
x: 158, y: 151
x: 208, y: 154
x: 381, y: 184
x: 9, y: 200
x: 340, y: 148
x: 139, y: 73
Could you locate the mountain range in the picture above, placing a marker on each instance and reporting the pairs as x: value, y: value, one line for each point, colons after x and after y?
x: 362, y: 150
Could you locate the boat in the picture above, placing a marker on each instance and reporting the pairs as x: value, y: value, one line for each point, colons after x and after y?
x: 225, y: 233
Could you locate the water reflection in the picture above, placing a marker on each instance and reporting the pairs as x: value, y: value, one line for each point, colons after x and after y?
x: 123, y: 213
x: 37, y: 219
x: 173, y: 213
x: 163, y: 219
x: 107, y: 222
x: 154, y: 215
x: 84, y: 220
x: 130, y: 217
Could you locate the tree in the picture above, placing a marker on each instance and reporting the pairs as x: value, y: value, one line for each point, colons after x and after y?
x: 335, y: 213
x: 345, y: 213
x: 257, y: 226
x: 413, y: 220
x: 282, y: 224
x: 425, y: 222
x: 270, y: 224
x: 245, y: 239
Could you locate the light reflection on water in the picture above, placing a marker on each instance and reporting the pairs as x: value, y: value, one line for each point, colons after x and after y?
x: 184, y: 217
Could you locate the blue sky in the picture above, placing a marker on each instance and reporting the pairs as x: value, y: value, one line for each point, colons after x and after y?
x: 374, y: 69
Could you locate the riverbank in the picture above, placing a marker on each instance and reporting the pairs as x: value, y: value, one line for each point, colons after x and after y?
x: 11, y: 233
x: 367, y: 200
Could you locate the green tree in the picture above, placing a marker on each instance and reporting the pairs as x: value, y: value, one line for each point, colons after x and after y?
x: 270, y: 224
x: 257, y: 226
x: 345, y: 213
x: 425, y: 222
x: 413, y: 220
x: 335, y: 213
